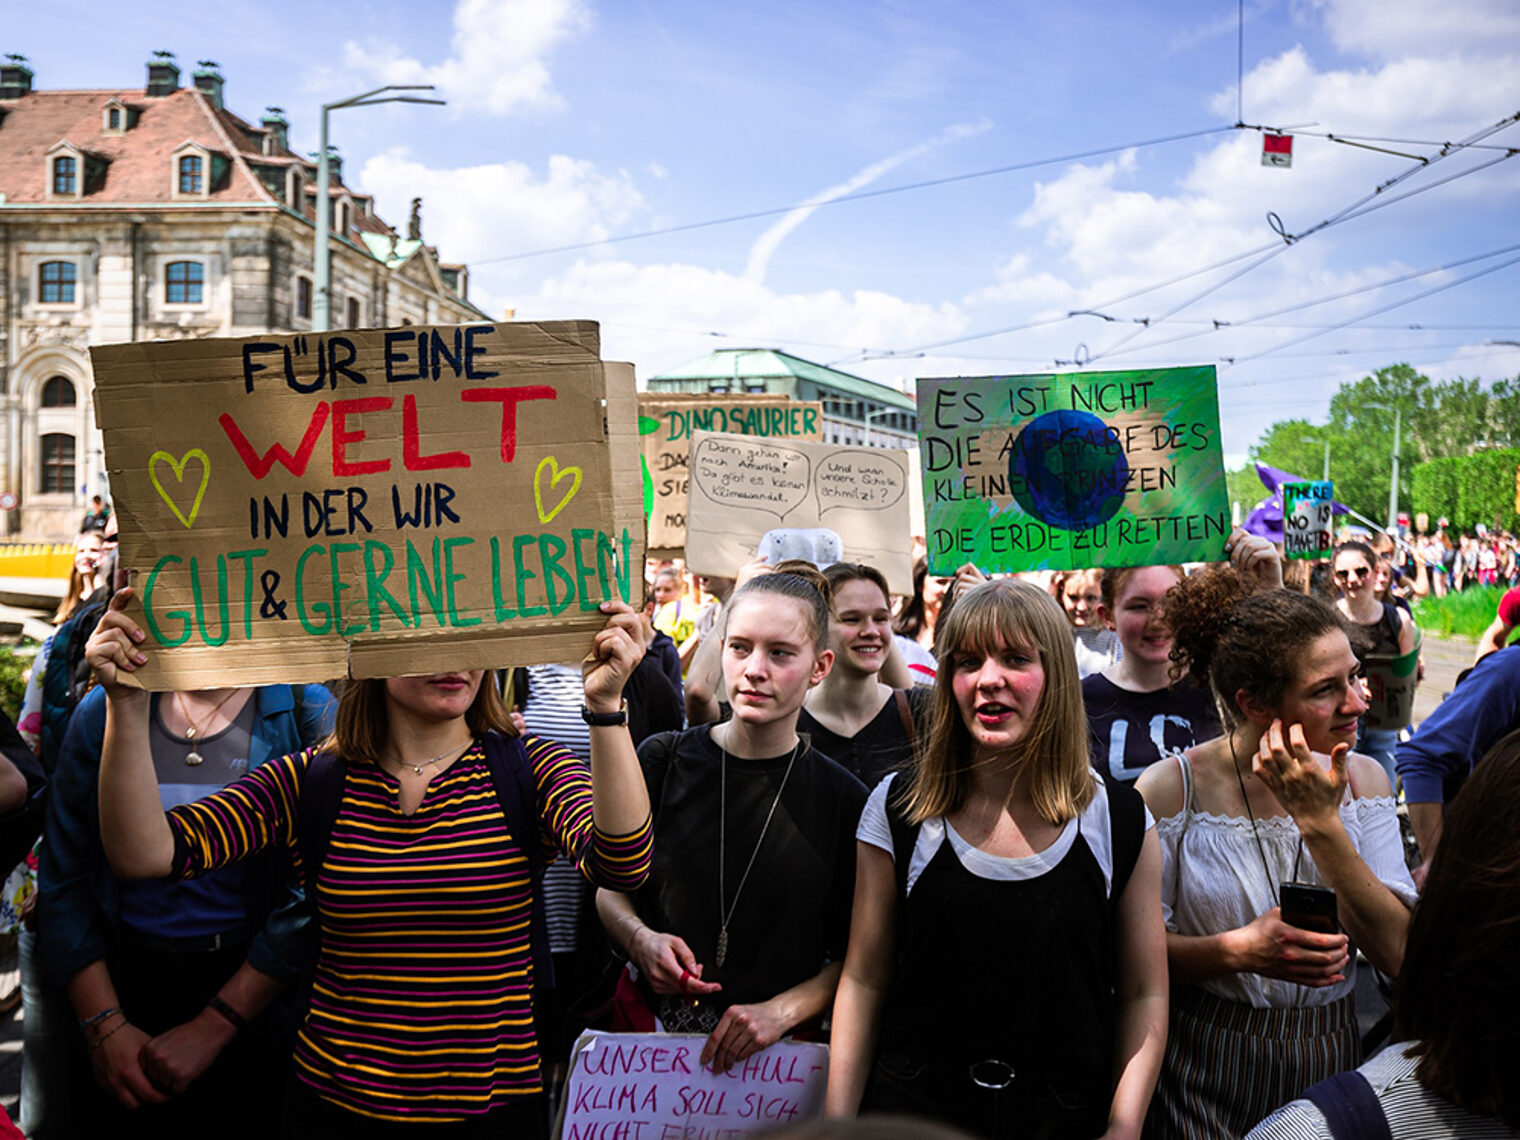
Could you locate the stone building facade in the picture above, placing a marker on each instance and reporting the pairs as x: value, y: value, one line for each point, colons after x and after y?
x: 155, y: 214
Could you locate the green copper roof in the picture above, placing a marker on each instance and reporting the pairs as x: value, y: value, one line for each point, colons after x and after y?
x: 740, y: 364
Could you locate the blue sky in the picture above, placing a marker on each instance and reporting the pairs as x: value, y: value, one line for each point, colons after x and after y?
x: 575, y: 121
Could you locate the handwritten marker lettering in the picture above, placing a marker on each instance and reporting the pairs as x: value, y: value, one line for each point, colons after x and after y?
x: 558, y: 473
x: 178, y: 467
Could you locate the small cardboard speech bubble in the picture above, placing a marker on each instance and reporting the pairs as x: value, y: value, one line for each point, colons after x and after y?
x: 849, y: 479
x: 752, y: 476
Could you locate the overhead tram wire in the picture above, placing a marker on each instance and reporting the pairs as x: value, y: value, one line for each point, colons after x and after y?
x: 1432, y: 291
x: 1227, y: 261
x: 860, y: 195
x: 1253, y: 322
x: 1359, y: 208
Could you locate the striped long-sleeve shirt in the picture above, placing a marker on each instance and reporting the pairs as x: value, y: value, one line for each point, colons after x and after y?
x: 422, y: 1005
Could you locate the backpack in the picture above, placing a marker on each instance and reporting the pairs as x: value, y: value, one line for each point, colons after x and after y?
x: 1350, y: 1107
x: 66, y: 679
x: 517, y: 795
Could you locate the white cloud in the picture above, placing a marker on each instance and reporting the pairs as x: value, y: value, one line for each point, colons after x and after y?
x: 766, y: 245
x: 474, y: 212
x: 644, y: 308
x: 500, y: 53
x: 1386, y: 29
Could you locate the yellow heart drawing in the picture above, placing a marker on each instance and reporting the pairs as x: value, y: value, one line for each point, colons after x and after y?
x: 538, y: 491
x: 178, y: 467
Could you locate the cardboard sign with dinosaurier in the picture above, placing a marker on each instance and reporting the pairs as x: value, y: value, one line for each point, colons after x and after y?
x: 375, y: 503
x: 666, y: 423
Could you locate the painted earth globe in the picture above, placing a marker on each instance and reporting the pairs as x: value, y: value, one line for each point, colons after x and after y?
x: 1067, y: 471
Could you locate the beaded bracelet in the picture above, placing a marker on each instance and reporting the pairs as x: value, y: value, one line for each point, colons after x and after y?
x: 95, y: 1019
x: 101, y: 1040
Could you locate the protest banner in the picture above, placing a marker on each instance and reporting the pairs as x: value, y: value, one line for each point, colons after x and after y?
x: 640, y: 1086
x: 1391, y: 682
x: 820, y: 501
x: 376, y: 503
x: 1308, y: 519
x: 666, y: 423
x: 1068, y: 471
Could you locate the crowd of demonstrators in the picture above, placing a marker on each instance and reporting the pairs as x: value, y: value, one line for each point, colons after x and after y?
x: 913, y: 836
x: 1262, y: 1004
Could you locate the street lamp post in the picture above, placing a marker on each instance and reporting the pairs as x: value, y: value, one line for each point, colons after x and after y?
x: 321, y: 309
x: 1393, y: 486
x: 1326, y: 476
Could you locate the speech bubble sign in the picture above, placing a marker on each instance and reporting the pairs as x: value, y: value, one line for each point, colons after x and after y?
x: 861, y: 482
x: 751, y: 475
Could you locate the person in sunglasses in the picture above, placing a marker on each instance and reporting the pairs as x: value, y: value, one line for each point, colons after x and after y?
x: 1375, y: 628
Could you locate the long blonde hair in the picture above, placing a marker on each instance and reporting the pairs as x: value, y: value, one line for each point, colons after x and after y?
x: 1054, y: 758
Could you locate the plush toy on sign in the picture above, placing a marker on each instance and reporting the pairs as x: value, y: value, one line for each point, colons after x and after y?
x: 818, y: 545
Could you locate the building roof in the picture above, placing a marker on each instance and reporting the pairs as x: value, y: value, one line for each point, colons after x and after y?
x: 772, y: 363
x: 139, y: 168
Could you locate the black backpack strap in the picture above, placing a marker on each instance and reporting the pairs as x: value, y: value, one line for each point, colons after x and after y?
x: 904, y: 834
x: 1126, y: 826
x: 517, y: 793
x: 1391, y: 623
x: 321, y: 797
x: 1350, y: 1107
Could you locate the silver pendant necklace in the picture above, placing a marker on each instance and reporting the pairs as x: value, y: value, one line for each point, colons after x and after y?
x: 725, y: 914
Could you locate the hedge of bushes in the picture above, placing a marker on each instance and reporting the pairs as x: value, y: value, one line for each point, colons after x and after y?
x: 1469, y: 489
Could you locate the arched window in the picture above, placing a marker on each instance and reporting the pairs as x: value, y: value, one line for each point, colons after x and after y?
x: 57, y: 474
x: 183, y: 282
x: 58, y: 392
x: 55, y: 284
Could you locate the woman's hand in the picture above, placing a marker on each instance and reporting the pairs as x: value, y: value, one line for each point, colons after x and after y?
x: 176, y: 1057
x: 966, y: 577
x: 113, y: 648
x: 1259, y: 562
x: 669, y: 964
x: 743, y: 1031
x: 616, y: 650
x: 752, y: 569
x: 115, y: 1057
x: 1273, y: 949
x: 1286, y: 765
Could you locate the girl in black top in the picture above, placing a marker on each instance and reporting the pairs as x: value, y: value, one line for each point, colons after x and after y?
x: 742, y: 926
x: 852, y: 717
x: 1007, y: 960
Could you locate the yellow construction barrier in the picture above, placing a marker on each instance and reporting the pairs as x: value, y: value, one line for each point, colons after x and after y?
x: 36, y: 559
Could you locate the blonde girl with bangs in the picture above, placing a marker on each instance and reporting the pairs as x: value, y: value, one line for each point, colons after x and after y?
x: 1006, y: 970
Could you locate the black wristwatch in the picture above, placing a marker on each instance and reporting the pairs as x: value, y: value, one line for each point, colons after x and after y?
x: 605, y: 720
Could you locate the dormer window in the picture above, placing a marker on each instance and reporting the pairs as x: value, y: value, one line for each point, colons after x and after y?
x: 66, y: 176
x: 344, y: 218
x: 192, y: 174
x: 195, y: 171
x: 295, y: 189
x: 115, y: 118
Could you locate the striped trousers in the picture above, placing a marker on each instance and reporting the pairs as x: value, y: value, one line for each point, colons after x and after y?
x: 1229, y: 1065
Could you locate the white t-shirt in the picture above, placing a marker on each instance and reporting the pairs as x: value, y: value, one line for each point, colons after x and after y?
x: 875, y: 829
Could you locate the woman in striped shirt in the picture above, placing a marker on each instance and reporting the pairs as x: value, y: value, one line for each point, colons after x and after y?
x: 422, y: 1006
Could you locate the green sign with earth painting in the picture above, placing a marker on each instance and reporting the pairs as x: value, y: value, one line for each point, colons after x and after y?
x: 1072, y: 470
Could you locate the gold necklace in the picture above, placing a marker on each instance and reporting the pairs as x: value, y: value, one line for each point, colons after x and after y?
x: 193, y: 759
x: 421, y: 764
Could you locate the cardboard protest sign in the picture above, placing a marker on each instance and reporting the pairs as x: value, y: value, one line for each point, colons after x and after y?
x: 819, y: 501
x: 642, y: 1086
x: 1308, y: 519
x: 374, y: 503
x: 666, y: 423
x: 1391, y: 682
x: 1068, y: 471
